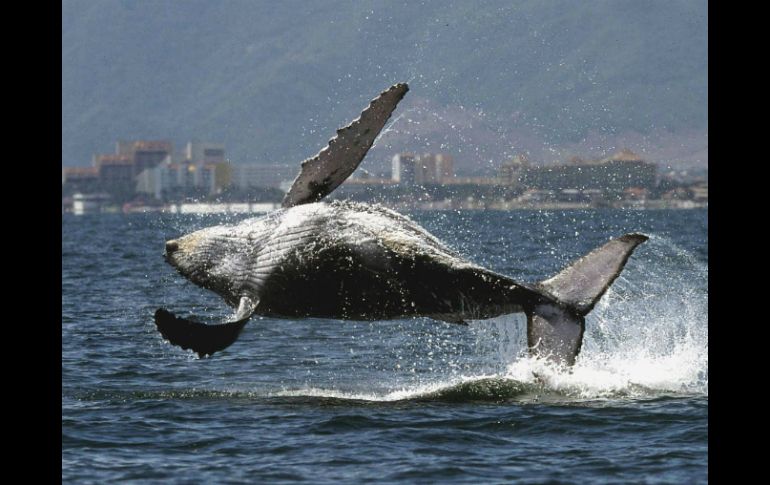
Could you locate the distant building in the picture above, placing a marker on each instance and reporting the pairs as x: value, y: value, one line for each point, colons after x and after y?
x: 183, y: 178
x: 403, y: 168
x: 433, y: 168
x: 149, y: 167
x: 480, y: 181
x: 700, y: 192
x: 679, y: 193
x: 426, y: 169
x: 205, y: 152
x: 618, y: 172
x: 354, y: 186
x: 510, y: 171
x: 537, y: 195
x: 636, y: 193
x: 88, y: 203
x: 262, y: 175
x: 144, y: 154
x: 116, y: 172
x: 80, y: 179
x: 445, y: 166
x: 572, y: 195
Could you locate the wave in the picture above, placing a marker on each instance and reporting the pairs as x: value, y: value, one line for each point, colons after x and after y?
x: 490, y: 389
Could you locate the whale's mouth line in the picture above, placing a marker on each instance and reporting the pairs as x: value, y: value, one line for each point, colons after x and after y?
x: 172, y: 261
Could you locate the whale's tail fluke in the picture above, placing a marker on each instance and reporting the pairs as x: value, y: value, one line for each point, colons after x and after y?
x: 555, y: 328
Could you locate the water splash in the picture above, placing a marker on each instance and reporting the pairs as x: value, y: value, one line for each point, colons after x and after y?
x: 647, y: 335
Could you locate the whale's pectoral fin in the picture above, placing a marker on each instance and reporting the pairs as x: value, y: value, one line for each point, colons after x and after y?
x: 201, y: 338
x: 323, y: 173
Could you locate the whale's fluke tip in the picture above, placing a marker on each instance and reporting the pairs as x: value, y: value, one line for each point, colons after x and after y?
x: 198, y: 337
x: 634, y: 237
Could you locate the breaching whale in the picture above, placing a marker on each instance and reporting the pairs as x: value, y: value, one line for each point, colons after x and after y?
x: 355, y: 261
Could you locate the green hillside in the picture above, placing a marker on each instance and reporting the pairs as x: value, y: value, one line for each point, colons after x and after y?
x: 273, y: 80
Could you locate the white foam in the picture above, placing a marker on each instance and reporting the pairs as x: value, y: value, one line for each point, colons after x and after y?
x: 647, y: 335
x: 394, y: 395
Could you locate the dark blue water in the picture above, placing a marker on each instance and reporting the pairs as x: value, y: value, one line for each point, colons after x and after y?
x: 401, y: 401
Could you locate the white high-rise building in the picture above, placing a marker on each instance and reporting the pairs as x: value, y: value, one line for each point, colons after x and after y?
x: 429, y: 168
x: 403, y: 170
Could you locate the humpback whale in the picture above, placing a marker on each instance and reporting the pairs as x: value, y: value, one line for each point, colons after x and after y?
x: 355, y: 261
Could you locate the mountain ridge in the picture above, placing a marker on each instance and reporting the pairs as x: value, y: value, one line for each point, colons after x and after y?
x: 273, y: 81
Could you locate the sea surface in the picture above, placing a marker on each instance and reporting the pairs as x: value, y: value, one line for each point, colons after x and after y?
x: 415, y: 401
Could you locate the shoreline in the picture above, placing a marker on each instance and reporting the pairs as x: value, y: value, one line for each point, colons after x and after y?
x: 262, y: 208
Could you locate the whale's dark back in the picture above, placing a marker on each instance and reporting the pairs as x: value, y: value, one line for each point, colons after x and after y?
x: 371, y: 282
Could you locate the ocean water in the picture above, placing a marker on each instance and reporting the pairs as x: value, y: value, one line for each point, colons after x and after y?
x: 415, y: 401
